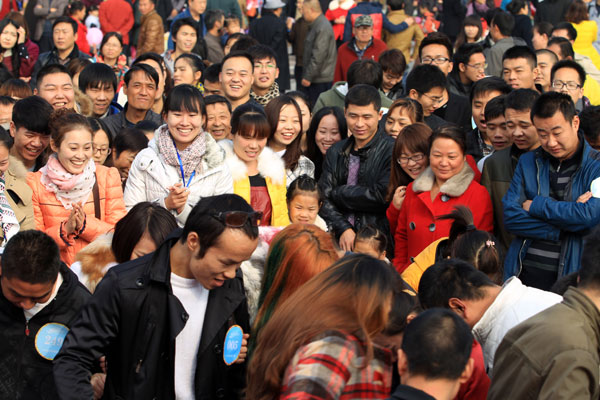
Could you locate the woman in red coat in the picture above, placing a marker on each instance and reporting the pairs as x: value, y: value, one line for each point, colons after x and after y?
x: 447, y: 182
x: 76, y: 10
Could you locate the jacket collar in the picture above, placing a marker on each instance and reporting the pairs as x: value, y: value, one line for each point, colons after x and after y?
x: 453, y: 187
x: 378, y: 137
x: 577, y: 300
x: 73, y: 54
x: 270, y: 165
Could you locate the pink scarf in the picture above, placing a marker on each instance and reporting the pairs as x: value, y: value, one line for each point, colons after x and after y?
x: 67, y: 187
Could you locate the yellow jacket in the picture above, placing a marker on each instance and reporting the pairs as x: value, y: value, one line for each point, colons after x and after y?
x: 272, y: 168
x: 412, y: 274
x: 591, y: 90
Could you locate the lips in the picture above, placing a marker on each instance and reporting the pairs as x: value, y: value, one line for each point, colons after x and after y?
x: 33, y: 153
x: 59, y: 104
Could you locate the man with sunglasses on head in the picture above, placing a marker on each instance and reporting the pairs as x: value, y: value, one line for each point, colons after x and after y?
x: 161, y: 320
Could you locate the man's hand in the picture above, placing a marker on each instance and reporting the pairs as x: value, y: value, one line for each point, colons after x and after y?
x: 584, y: 197
x: 98, y: 381
x: 305, y: 83
x: 347, y: 240
x: 527, y: 205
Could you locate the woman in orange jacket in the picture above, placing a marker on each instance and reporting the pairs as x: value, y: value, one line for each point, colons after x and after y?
x: 74, y: 201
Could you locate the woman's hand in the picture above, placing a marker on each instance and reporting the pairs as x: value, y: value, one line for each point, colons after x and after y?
x: 399, y: 195
x: 71, y: 224
x: 21, y: 35
x: 79, y: 217
x: 177, y: 198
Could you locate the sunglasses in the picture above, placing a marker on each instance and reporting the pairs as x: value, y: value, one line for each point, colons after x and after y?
x: 237, y: 219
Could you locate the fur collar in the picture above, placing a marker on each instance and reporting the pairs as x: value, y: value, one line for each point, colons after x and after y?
x: 16, y: 168
x: 453, y: 187
x: 270, y: 165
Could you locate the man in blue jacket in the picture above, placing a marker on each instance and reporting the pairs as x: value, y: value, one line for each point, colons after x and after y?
x: 553, y: 199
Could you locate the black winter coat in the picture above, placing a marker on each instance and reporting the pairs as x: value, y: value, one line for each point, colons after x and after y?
x: 133, y: 318
x: 366, y: 200
x: 24, y: 374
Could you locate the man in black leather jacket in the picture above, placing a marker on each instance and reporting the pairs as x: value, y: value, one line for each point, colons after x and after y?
x: 356, y: 171
x: 159, y: 344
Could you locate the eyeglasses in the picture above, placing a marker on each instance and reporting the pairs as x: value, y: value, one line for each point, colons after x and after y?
x: 101, y: 150
x: 479, y: 67
x: 416, y: 158
x: 237, y: 219
x: 264, y: 66
x: 436, y: 61
x: 436, y: 100
x: 570, y: 85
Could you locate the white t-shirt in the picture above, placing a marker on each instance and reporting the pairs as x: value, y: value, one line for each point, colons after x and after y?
x: 40, y: 306
x: 194, y: 298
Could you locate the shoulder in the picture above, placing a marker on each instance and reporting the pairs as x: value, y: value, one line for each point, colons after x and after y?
x: 107, y: 174
x: 16, y: 169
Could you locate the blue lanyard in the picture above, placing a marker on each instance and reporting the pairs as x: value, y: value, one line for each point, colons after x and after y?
x: 181, y: 168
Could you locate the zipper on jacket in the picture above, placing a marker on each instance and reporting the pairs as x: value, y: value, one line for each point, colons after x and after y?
x: 138, y: 366
x: 26, y: 327
x: 521, y: 258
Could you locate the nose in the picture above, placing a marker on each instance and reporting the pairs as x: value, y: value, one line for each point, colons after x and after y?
x: 36, y: 141
x: 27, y: 304
x: 230, y: 273
x: 551, y: 141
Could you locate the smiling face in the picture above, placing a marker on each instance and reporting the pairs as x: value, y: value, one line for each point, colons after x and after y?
x: 304, y: 208
x: 557, y: 136
x: 57, y: 89
x: 218, y: 120
x: 519, y: 74
x: 186, y: 39
x: 183, y: 73
x: 8, y: 37
x: 497, y: 133
x: 140, y: 91
x: 288, y: 128
x: 519, y: 126
x: 396, y: 121
x: 363, y: 34
x: 28, y: 145
x: 328, y: 133
x: 236, y: 78
x: 160, y: 88
x: 363, y: 122
x: 248, y: 149
x: 101, y: 97
x: 478, y: 108
x: 75, y: 150
x: 446, y: 159
x: 412, y: 163
x: 184, y: 126
x: 265, y: 73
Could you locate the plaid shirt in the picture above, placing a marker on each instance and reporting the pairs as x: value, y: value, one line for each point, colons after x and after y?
x: 331, y: 367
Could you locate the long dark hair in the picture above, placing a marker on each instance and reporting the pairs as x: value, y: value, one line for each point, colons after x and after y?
x: 16, y: 59
x: 273, y: 110
x: 312, y: 151
x: 471, y: 20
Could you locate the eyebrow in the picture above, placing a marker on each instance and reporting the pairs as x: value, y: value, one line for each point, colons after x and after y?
x: 31, y: 297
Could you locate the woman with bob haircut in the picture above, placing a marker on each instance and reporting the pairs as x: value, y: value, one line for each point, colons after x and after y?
x: 447, y: 182
x: 402, y: 112
x: 285, y: 119
x: 111, y: 54
x: 329, y: 323
x: 74, y: 200
x: 258, y: 172
x: 15, y: 55
x: 183, y: 163
x: 327, y: 127
x: 138, y: 233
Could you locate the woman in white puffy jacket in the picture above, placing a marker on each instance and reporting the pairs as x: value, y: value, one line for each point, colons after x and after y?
x: 182, y: 163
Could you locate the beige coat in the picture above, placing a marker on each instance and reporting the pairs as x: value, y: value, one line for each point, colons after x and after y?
x: 18, y: 193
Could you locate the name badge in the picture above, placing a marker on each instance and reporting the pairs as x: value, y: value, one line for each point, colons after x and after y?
x: 49, y: 340
x: 233, y: 344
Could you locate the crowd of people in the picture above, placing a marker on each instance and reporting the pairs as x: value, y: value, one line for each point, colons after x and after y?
x: 404, y: 207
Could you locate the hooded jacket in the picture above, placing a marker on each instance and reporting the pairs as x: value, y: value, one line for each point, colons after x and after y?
x: 24, y: 373
x: 133, y: 318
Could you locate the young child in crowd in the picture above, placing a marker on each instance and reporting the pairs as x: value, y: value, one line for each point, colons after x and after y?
x: 304, y: 201
x: 371, y: 241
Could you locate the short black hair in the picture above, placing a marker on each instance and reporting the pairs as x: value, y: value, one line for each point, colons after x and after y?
x: 569, y: 64
x: 50, y: 69
x: 515, y: 6
x: 211, y: 73
x: 144, y: 218
x: 22, y: 115
x: 425, y: 77
x: 262, y: 52
x: 437, y: 38
x: 589, y: 272
x: 489, y: 84
x: 396, y: 4
x: 7, y: 101
x: 211, y: 17
x: 549, y: 103
x: 132, y: 139
x: 184, y: 97
x: 494, y: 108
x: 590, y: 122
x: 236, y: 54
x: 204, y: 222
x: 566, y: 48
x: 31, y: 256
x: 521, y: 52
x: 243, y: 43
x: 521, y: 99
x: 437, y: 345
x: 464, y: 52
x: 364, y: 72
x: 97, y: 75
x: 451, y: 278
x: 147, y: 69
x: 189, y: 21
x: 571, y: 31
x: 393, y: 61
x: 63, y: 19
x: 549, y: 53
x: 215, y: 98
x: 147, y: 125
x: 504, y: 21
x: 543, y: 28
x: 363, y: 95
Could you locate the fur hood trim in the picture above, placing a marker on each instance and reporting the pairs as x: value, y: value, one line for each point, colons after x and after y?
x: 270, y: 165
x: 83, y: 103
x: 16, y: 168
x: 453, y: 187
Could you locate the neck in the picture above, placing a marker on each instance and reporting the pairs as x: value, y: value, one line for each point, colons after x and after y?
x: 180, y: 260
x: 135, y: 115
x: 260, y: 91
x: 195, y: 15
x: 252, y: 167
x: 176, y: 54
x: 27, y: 163
x: 359, y: 144
x: 276, y: 146
x: 463, y: 78
x: 593, y: 295
x: 110, y: 61
x: 240, y: 101
x: 214, y: 32
x: 362, y: 45
x: 62, y: 54
x: 441, y: 389
x: 158, y: 105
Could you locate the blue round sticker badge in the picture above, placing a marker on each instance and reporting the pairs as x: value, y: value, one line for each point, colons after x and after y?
x: 49, y: 340
x: 233, y: 344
